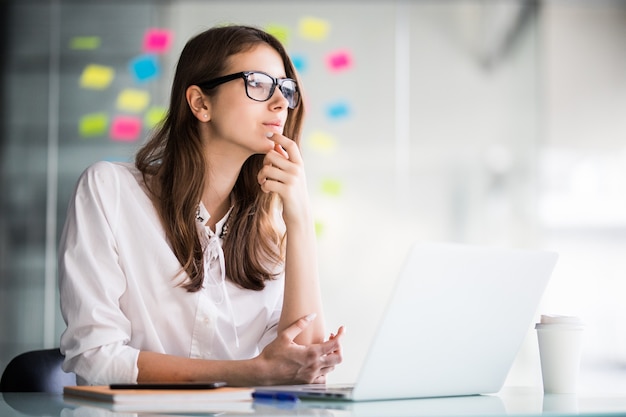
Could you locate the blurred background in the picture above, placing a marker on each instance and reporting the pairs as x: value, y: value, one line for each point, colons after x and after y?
x: 486, y: 122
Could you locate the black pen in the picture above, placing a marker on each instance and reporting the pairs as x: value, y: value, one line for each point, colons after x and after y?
x: 170, y: 385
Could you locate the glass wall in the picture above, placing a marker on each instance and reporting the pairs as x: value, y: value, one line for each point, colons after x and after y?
x: 464, y: 121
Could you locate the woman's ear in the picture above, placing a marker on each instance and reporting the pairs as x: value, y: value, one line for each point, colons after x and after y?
x: 198, y: 103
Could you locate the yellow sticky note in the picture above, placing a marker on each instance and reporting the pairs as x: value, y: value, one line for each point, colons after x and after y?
x: 313, y: 29
x: 97, y: 77
x: 331, y: 187
x: 85, y: 42
x: 280, y: 32
x: 154, y: 116
x: 94, y: 124
x: 322, y: 142
x: 133, y: 100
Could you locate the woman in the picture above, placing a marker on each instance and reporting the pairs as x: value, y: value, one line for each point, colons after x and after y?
x: 198, y: 262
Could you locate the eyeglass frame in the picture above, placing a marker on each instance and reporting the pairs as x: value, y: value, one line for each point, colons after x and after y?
x: 244, y: 75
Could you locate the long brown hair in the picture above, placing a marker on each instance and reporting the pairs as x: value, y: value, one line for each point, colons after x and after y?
x: 173, y: 166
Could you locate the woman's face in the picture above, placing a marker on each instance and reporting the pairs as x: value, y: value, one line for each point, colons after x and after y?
x: 238, y: 123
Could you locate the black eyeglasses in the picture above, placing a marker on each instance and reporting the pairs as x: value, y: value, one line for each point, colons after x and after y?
x: 260, y: 86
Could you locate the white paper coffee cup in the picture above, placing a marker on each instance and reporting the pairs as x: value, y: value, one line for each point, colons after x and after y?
x: 560, y: 348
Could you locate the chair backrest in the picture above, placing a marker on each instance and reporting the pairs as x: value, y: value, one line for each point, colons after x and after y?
x: 36, y: 371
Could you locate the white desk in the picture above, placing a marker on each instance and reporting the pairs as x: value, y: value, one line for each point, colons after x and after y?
x: 510, y: 401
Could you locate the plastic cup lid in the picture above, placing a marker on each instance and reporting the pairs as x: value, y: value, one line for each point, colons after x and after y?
x: 559, y: 321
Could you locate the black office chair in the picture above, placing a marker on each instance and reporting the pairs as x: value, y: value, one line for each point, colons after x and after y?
x: 36, y: 371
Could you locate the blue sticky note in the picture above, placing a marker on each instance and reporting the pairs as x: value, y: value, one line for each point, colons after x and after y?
x: 145, y: 67
x: 338, y: 110
x: 299, y: 62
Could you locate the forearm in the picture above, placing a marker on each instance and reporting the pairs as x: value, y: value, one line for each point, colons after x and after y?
x: 302, y: 289
x: 155, y: 367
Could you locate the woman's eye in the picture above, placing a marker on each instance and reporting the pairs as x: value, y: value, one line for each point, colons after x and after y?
x: 258, y: 84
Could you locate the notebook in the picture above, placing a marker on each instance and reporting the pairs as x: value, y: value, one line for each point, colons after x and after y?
x: 453, y: 325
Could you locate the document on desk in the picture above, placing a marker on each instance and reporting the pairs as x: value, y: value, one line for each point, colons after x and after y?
x: 179, y: 399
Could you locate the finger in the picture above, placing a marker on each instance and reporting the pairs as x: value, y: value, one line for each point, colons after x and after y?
x: 321, y: 379
x: 273, y: 167
x: 340, y: 333
x: 289, y: 146
x: 281, y: 150
x: 331, y: 359
x: 330, y: 346
x: 334, y: 344
x: 326, y: 370
x: 272, y: 179
x: 296, y: 328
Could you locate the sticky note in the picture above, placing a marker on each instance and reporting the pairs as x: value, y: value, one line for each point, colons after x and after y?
x: 338, y: 61
x: 322, y: 142
x: 125, y: 128
x: 154, y: 116
x: 157, y: 41
x: 94, y: 124
x: 96, y: 77
x: 331, y: 187
x: 299, y: 62
x: 280, y: 32
x: 133, y: 100
x: 338, y: 110
x: 319, y: 228
x: 85, y: 42
x: 313, y: 29
x: 145, y: 68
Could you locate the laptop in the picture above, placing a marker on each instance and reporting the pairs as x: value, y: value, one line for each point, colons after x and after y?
x: 453, y: 325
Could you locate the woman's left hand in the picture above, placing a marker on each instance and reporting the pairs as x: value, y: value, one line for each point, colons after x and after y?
x: 283, y: 173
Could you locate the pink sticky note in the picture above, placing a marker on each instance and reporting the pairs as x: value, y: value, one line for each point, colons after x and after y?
x: 157, y: 41
x: 340, y: 60
x: 125, y: 128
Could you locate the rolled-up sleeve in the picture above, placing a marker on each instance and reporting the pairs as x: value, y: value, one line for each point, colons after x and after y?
x: 91, y: 283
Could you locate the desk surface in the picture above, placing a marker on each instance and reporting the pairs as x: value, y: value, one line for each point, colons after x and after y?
x: 510, y: 401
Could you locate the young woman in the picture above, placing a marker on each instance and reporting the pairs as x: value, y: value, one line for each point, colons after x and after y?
x: 198, y: 262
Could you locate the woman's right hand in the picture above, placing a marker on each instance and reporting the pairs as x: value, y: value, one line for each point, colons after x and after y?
x: 285, y: 362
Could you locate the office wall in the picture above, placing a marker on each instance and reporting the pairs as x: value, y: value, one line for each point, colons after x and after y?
x: 457, y: 121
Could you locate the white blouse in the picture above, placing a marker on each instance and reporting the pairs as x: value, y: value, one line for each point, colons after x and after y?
x: 119, y: 286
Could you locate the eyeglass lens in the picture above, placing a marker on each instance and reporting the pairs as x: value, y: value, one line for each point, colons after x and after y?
x: 261, y: 86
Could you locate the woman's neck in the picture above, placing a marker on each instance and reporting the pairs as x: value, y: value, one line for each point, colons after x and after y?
x: 220, y: 179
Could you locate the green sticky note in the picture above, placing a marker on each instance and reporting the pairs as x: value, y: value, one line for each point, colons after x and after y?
x: 331, y: 187
x: 154, y: 116
x: 85, y: 42
x: 319, y: 228
x: 280, y: 32
x: 94, y: 124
